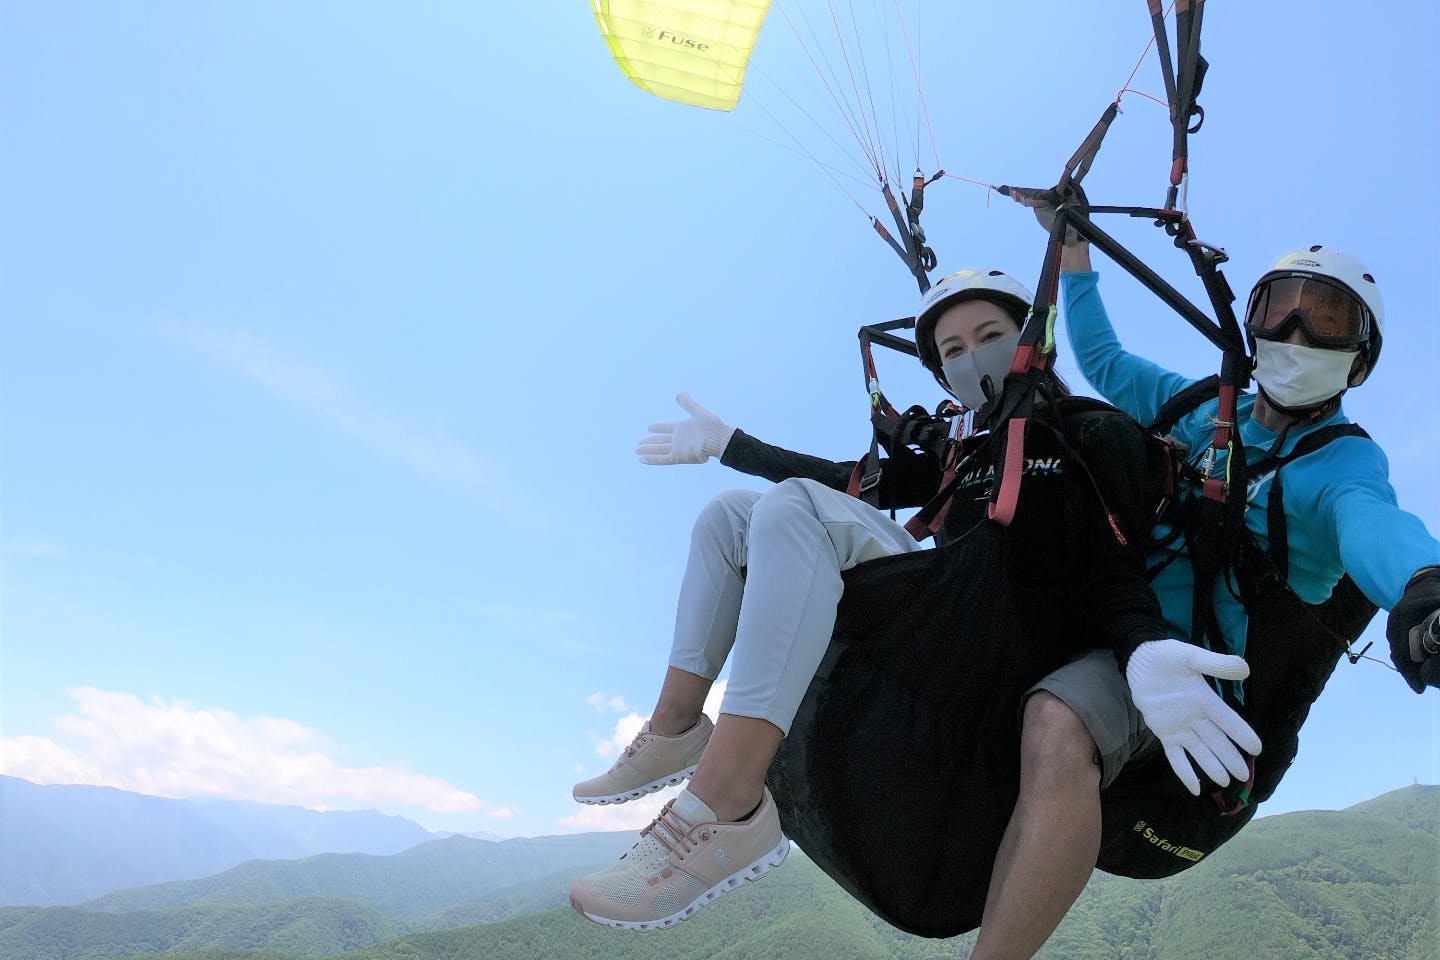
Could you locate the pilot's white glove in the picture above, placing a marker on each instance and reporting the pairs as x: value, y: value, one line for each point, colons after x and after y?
x: 695, y: 440
x: 1167, y: 682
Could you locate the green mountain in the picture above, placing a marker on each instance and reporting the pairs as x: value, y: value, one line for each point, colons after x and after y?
x: 304, y: 926
x: 1315, y: 885
x: 426, y: 879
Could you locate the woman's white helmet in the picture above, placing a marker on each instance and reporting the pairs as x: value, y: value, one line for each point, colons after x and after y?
x: 994, y: 285
x: 1337, y: 265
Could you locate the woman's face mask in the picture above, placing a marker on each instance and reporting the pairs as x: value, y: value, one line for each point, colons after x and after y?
x: 975, y: 376
x: 1296, y: 375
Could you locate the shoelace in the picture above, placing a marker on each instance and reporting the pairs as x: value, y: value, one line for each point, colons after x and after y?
x: 631, y: 750
x: 672, y: 830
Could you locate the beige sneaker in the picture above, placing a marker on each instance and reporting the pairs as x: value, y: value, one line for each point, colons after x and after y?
x: 651, y: 762
x: 684, y: 860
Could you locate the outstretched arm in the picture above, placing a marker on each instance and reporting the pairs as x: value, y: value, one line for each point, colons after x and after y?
x: 1132, y: 383
x: 1387, y: 551
x: 760, y: 459
x: 909, y: 479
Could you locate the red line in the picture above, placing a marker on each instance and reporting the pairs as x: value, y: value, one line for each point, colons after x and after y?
x: 1126, y: 85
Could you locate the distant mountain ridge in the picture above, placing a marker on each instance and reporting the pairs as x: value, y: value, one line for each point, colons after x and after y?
x: 68, y: 844
x: 318, y: 906
x: 434, y: 876
x: 1326, y: 885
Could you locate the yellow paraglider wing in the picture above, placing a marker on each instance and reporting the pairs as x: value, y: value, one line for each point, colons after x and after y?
x: 693, y: 53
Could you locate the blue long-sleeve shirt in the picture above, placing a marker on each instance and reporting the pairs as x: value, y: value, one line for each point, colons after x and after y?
x: 1341, y: 513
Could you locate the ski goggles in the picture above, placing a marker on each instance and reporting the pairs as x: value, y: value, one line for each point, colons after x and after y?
x: 1328, y: 312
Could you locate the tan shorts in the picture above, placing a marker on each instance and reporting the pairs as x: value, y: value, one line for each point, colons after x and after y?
x: 1093, y: 687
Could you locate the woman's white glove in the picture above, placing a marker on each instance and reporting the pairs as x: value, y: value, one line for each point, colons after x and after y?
x: 1167, y: 682
x: 695, y: 440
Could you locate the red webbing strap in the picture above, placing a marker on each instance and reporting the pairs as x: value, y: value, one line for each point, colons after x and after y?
x: 878, y: 402
x: 1214, y: 487
x: 1002, y: 510
x: 852, y: 486
x: 866, y: 473
x: 1079, y: 163
x: 930, y: 518
x: 1177, y: 173
x: 1027, y: 357
x: 894, y: 244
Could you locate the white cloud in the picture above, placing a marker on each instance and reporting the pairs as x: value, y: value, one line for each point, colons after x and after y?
x: 45, y: 761
x: 172, y: 749
x: 603, y: 701
x: 625, y: 730
x: 326, y: 394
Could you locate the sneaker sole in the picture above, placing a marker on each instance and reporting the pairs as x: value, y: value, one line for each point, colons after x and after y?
x: 680, y: 776
x: 753, y: 872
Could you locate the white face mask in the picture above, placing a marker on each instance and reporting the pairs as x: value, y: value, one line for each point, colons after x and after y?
x: 971, y: 372
x: 1296, y: 375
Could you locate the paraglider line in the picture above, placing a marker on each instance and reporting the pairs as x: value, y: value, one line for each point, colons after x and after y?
x: 850, y: 111
x: 836, y: 171
x: 979, y: 183
x: 925, y: 109
x: 824, y: 167
x: 846, y: 112
x: 895, y: 111
x: 869, y: 88
x: 850, y: 69
x: 807, y: 115
x: 1140, y: 93
x: 1125, y: 87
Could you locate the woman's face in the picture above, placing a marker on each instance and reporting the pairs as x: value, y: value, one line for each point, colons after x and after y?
x: 968, y: 324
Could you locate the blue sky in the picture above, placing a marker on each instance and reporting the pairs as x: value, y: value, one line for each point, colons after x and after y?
x: 329, y: 330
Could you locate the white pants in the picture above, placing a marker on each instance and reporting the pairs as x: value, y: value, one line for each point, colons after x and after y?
x: 792, y: 542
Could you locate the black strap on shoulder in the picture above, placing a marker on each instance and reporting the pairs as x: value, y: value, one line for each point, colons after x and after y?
x: 1275, y: 526
x: 1213, y: 525
x: 916, y: 429
x: 1278, y: 554
x: 1185, y: 402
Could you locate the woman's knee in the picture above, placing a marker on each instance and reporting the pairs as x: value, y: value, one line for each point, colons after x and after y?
x: 786, y: 501
x: 728, y: 510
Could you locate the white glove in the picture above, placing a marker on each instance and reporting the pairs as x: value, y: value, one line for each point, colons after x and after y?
x: 695, y: 440
x: 1167, y: 682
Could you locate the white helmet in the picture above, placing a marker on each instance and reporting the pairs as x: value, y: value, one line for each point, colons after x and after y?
x: 992, y: 285
x: 1336, y: 265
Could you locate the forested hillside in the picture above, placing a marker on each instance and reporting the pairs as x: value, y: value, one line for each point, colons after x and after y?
x: 1317, y: 885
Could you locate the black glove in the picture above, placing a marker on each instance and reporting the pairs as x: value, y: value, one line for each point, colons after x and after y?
x: 1414, y: 631
x: 1045, y: 203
